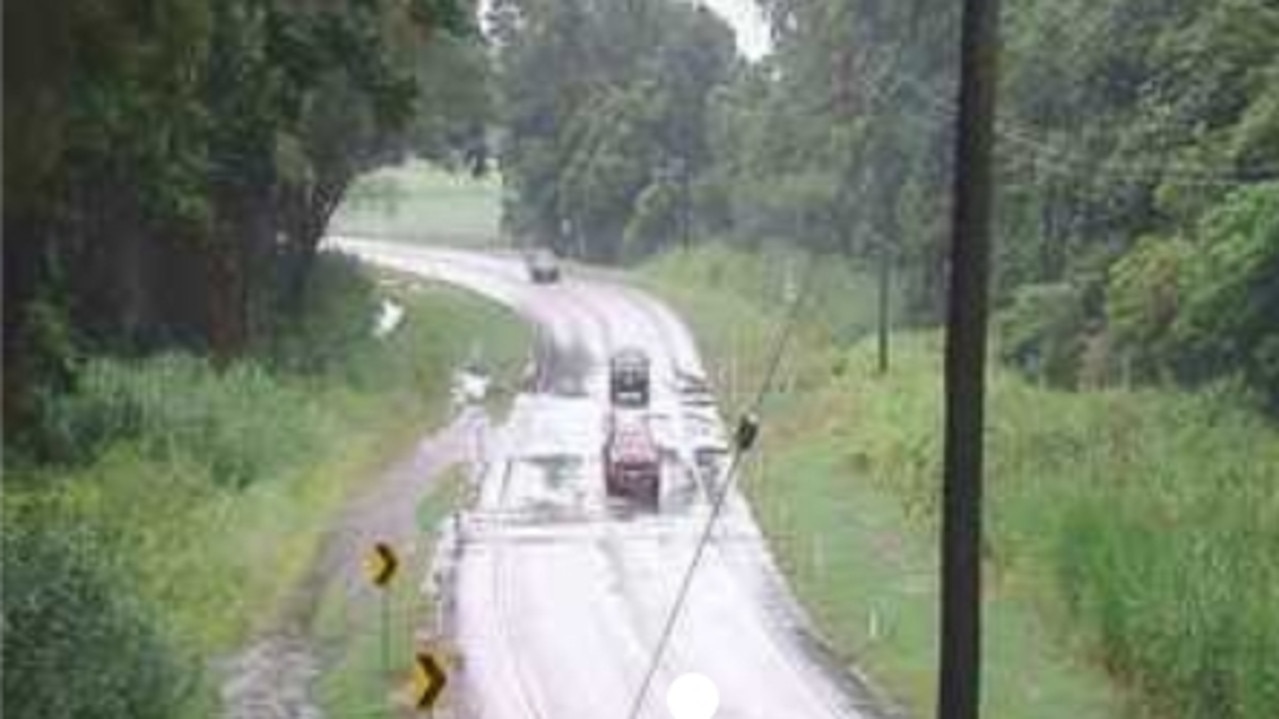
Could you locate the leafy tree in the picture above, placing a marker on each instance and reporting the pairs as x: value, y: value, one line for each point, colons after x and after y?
x: 825, y: 144
x: 177, y: 161
x: 1144, y: 296
x: 656, y: 219
x: 601, y: 102
x: 1227, y: 320
x: 1042, y: 333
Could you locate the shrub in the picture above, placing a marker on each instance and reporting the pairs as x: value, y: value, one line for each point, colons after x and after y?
x: 1228, y: 321
x: 1205, y: 307
x: 242, y: 423
x: 76, y: 644
x: 330, y: 332
x: 655, y: 219
x: 1143, y: 296
x: 1042, y: 333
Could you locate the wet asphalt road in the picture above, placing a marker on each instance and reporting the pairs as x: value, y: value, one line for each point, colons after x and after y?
x: 561, y: 592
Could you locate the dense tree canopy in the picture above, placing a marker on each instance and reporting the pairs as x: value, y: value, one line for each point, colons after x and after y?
x: 604, y: 113
x: 171, y: 165
x: 1128, y: 134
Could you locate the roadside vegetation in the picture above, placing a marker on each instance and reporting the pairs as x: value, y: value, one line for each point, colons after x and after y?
x: 191, y: 390
x: 357, y: 683
x: 1137, y: 222
x: 1131, y: 531
x: 413, y: 201
x: 190, y: 387
x: 1134, y: 282
x: 165, y: 508
x: 174, y: 164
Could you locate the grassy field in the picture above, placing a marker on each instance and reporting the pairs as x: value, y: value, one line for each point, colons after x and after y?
x: 201, y: 496
x: 1132, y: 535
x: 418, y: 202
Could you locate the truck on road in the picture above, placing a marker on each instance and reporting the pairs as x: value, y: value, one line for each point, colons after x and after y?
x: 632, y: 462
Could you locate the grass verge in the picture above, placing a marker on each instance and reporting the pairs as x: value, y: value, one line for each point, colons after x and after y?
x: 363, y: 681
x: 1132, y: 535
x: 418, y: 202
x: 195, y: 499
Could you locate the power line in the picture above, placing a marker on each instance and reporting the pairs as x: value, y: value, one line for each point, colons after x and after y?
x: 1064, y: 161
x: 1086, y: 36
x: 743, y: 438
x: 1054, y: 158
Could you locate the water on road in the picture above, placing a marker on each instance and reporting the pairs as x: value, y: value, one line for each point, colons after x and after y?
x: 561, y: 592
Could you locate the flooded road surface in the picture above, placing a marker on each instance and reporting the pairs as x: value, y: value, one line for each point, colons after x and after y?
x: 560, y: 592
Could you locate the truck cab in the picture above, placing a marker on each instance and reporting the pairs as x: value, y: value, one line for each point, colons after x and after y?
x: 632, y: 462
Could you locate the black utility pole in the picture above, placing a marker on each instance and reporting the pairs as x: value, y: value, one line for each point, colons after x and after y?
x: 959, y: 695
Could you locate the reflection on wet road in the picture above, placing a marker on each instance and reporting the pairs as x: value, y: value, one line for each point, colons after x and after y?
x: 561, y: 591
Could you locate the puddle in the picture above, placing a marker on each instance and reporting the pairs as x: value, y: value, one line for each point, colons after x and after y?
x: 271, y: 679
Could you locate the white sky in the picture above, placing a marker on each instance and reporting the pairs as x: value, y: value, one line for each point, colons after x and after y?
x: 747, y: 22
x: 743, y: 15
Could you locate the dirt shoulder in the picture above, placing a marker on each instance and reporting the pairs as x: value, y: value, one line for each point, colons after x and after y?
x: 275, y: 675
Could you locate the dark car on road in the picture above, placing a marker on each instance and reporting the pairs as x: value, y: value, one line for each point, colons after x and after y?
x: 543, y: 267
x: 628, y: 378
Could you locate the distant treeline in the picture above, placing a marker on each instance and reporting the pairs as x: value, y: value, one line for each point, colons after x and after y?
x: 1138, y: 147
x: 170, y: 166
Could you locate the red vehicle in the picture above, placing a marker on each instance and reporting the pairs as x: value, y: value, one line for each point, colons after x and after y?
x: 632, y: 463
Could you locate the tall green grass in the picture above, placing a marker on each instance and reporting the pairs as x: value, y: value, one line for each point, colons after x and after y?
x: 1145, y: 524
x: 841, y: 301
x: 242, y: 424
x: 1130, y: 534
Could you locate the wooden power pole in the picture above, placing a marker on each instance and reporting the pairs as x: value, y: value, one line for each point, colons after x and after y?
x: 959, y: 695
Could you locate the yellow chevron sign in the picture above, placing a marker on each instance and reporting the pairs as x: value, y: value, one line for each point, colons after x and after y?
x: 429, y: 680
x: 380, y: 564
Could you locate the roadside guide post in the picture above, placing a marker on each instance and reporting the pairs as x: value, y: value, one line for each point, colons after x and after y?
x: 381, y: 565
x: 385, y: 623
